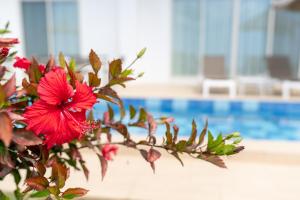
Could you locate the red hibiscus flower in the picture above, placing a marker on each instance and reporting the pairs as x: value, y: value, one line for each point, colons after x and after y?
x: 60, y: 113
x: 22, y: 63
x: 108, y: 150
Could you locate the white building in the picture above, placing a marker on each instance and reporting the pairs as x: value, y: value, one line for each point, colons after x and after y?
x: 177, y: 33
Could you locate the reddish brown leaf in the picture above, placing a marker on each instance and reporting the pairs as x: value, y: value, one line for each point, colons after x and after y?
x: 14, y: 116
x: 175, y: 154
x: 4, y: 170
x: 115, y: 68
x: 40, y: 168
x: 95, y: 61
x: 216, y: 160
x: 85, y: 170
x: 121, y: 128
x: 10, y: 86
x: 31, y: 88
x: 34, y: 72
x: 2, y: 71
x: 6, y: 160
x: 106, y: 98
x: 203, y: 133
x: 144, y: 154
x: 37, y: 183
x: 74, y: 192
x: 59, y: 173
x: 176, y: 130
x: 167, y: 119
x: 2, y: 96
x: 193, y: 134
x: 152, y: 124
x: 104, y: 165
x: 26, y: 138
x: 5, y: 128
x: 152, y: 165
x: 94, y: 81
x: 50, y: 64
x: 153, y: 155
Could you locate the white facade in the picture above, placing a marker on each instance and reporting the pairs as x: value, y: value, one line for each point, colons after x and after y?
x: 242, y: 31
x: 115, y: 28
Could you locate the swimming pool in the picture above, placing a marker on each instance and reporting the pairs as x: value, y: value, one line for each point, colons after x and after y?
x: 253, y: 119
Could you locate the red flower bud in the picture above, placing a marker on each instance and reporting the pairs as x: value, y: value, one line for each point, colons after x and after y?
x: 4, y: 52
x: 22, y: 63
x: 108, y: 150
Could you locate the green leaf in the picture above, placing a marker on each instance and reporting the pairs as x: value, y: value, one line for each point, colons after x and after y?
x: 7, y: 25
x: 95, y: 61
x: 143, y: 115
x: 39, y: 194
x: 17, y: 176
x: 61, y: 59
x: 180, y: 146
x: 72, y: 64
x: 18, y: 194
x: 3, y: 196
x: 141, y: 74
x: 141, y: 53
x: 126, y: 72
x: 237, y: 140
x: 210, y: 140
x: 132, y: 111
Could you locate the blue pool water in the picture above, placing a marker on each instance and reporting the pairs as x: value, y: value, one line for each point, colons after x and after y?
x: 253, y: 119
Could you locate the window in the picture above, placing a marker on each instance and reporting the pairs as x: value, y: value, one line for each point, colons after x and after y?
x: 287, y: 37
x: 253, y: 36
x: 50, y: 27
x: 186, y: 37
x: 218, y: 29
x: 200, y: 28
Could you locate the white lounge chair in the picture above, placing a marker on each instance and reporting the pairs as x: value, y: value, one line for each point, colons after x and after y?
x: 280, y: 73
x: 215, y: 76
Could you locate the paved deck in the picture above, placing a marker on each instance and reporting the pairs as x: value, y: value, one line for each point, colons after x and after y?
x: 265, y: 170
x: 192, y: 92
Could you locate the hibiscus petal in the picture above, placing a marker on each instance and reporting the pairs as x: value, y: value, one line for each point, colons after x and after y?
x: 42, y: 117
x: 83, y: 98
x: 54, y: 88
x: 58, y: 125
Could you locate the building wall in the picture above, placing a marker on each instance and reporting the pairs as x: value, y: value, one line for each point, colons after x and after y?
x: 115, y: 28
x: 120, y: 28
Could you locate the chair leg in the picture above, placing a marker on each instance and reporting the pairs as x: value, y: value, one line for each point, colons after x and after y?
x: 232, y: 90
x: 205, y: 89
x: 285, y: 91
